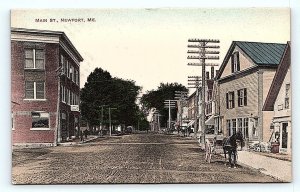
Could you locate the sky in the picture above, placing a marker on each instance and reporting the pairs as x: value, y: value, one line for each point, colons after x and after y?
x: 268, y: 25
x: 149, y: 46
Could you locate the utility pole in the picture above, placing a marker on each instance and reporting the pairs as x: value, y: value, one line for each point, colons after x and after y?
x: 101, y: 119
x: 181, y: 96
x: 157, y: 115
x: 109, y: 117
x: 169, y: 104
x: 203, y: 55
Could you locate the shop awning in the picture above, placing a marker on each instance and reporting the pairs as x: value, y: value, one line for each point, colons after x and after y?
x: 210, y: 121
x: 191, y: 123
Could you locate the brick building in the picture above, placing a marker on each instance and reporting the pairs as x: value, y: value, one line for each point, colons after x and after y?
x: 45, y: 68
x: 244, y: 81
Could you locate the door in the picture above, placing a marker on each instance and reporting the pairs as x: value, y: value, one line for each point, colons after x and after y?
x: 284, y: 135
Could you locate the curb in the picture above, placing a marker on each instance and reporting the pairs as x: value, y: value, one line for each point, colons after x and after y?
x: 80, y: 142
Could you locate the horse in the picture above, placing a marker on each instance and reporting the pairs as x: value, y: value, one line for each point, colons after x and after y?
x: 210, y: 146
x: 229, y: 145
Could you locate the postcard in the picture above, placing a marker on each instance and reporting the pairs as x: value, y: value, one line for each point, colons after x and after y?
x: 151, y: 96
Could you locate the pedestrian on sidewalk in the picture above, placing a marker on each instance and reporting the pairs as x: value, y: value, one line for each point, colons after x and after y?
x: 81, y: 136
x: 85, y: 133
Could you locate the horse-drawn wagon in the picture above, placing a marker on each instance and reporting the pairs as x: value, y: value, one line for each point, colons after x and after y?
x: 213, y: 146
x: 216, y: 144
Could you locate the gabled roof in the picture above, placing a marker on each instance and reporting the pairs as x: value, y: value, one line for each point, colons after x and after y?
x: 263, y: 53
x: 278, y: 79
x: 260, y: 53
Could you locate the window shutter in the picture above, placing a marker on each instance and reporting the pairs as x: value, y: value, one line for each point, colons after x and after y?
x: 232, y: 64
x: 238, y: 97
x: 238, y: 61
x: 245, y: 97
x: 227, y: 104
x: 233, y: 101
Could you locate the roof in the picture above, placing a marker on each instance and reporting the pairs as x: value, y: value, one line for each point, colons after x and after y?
x: 279, y: 77
x: 48, y: 32
x: 260, y: 53
x: 263, y: 53
x: 192, y: 95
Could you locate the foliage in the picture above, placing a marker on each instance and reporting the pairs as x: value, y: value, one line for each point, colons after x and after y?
x: 156, y: 98
x: 101, y: 89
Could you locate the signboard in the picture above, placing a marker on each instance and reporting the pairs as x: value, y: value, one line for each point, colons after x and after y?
x: 74, y: 107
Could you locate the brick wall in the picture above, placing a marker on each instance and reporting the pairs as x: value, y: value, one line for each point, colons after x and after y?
x: 21, y: 108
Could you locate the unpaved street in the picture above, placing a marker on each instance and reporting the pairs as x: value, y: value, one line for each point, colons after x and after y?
x: 138, y: 158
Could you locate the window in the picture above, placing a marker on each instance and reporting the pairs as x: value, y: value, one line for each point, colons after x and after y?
x: 70, y: 97
x: 284, y: 135
x: 230, y: 100
x: 67, y: 95
x: 235, y: 62
x: 246, y: 128
x: 287, y: 96
x: 240, y: 125
x: 71, y: 73
x: 255, y: 126
x: 63, y: 94
x: 34, y: 90
x: 62, y: 63
x: 76, y: 73
x: 65, y: 66
x: 68, y: 69
x: 233, y: 126
x: 40, y: 120
x: 34, y: 59
x: 228, y: 124
x: 242, y: 97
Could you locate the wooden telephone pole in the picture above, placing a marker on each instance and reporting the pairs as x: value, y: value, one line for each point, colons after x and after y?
x: 181, y: 96
x: 203, y: 54
x: 170, y: 104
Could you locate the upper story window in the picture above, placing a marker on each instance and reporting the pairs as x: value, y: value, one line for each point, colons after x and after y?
x: 235, y: 62
x: 242, y: 97
x: 71, y: 73
x: 230, y: 100
x: 68, y: 69
x: 34, y: 59
x: 287, y: 96
x: 76, y: 76
x: 34, y: 90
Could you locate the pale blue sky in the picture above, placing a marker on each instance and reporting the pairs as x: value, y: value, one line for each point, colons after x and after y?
x: 150, y: 45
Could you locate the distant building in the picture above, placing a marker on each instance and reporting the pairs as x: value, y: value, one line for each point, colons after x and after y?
x: 278, y: 104
x: 45, y: 68
x: 244, y: 80
x: 192, y: 110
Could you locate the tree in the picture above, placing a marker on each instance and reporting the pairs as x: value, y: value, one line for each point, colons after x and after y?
x: 156, y: 98
x: 101, y: 89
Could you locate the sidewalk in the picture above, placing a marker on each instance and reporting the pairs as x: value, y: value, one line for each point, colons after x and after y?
x: 268, y: 165
x: 77, y: 141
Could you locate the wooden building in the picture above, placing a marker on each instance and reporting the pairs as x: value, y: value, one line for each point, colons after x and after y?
x: 244, y: 80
